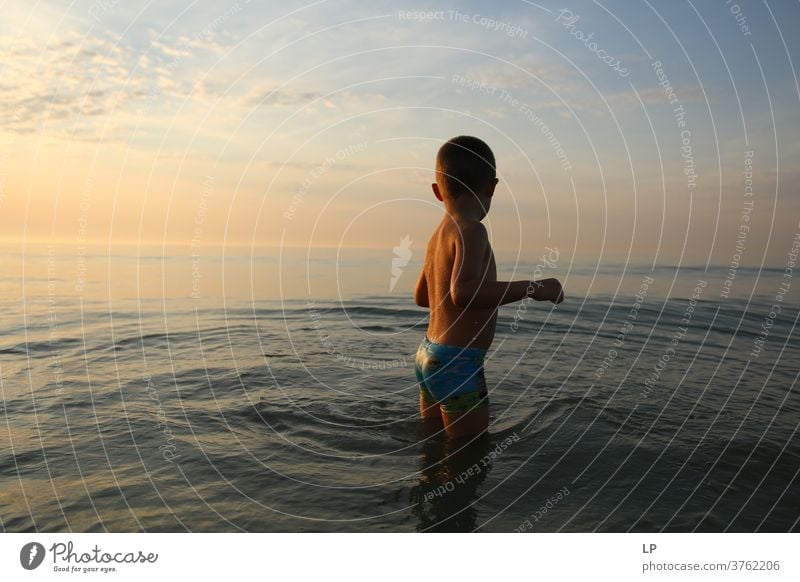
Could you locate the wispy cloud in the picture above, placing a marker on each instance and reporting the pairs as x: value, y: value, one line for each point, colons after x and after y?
x: 60, y: 87
x: 85, y: 87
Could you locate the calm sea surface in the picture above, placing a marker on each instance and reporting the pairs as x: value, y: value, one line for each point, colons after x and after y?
x: 157, y: 391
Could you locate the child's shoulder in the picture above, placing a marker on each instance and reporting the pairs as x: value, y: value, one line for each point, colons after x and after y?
x: 459, y: 232
x: 471, y: 230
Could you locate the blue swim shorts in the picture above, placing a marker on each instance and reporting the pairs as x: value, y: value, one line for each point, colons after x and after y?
x: 452, y: 376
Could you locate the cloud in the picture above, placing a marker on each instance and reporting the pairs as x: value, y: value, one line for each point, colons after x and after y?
x: 284, y: 97
x: 654, y: 96
x: 60, y: 85
x: 554, y: 86
x: 278, y: 97
x: 522, y: 72
x: 90, y: 87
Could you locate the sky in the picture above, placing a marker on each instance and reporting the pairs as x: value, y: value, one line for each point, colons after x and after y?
x: 658, y: 132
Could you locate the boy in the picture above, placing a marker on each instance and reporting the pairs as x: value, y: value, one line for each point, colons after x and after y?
x: 459, y: 284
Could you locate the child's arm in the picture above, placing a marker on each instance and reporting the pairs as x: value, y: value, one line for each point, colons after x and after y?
x: 468, y: 284
x: 421, y: 291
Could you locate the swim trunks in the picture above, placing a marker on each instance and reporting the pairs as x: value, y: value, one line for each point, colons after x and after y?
x: 452, y: 376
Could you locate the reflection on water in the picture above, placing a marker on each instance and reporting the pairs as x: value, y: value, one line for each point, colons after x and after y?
x: 451, y: 471
x: 214, y: 276
x: 236, y: 412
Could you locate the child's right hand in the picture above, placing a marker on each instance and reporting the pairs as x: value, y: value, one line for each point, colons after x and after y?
x: 548, y: 290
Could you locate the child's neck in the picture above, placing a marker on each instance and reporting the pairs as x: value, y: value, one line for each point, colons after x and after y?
x: 465, y: 210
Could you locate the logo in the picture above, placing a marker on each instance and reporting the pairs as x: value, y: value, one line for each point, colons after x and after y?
x: 402, y: 254
x: 31, y: 555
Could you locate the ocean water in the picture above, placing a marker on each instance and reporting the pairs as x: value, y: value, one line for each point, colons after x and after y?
x: 153, y: 391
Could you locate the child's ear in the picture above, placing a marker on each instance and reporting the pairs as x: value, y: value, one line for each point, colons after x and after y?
x: 436, y: 192
x: 491, y: 187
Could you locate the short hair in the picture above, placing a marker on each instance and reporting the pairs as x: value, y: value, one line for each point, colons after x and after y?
x: 465, y: 164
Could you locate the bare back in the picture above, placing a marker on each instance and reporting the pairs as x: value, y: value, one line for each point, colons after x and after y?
x: 450, y: 324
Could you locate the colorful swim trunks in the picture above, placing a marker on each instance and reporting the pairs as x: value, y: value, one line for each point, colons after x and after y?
x: 452, y: 376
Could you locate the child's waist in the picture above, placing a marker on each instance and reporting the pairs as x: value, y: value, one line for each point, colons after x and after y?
x: 450, y: 351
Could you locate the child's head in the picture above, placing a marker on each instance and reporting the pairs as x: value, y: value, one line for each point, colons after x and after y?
x: 465, y: 169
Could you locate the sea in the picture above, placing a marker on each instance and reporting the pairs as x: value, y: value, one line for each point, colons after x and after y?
x: 196, y: 389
